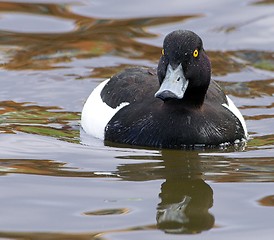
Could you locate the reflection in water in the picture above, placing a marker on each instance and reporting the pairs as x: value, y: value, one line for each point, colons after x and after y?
x: 107, y: 46
x: 104, y: 212
x: 267, y: 201
x: 30, y: 118
x: 46, y: 236
x: 185, y: 197
x: 90, y: 38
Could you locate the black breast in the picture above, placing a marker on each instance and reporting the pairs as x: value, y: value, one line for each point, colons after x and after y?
x: 167, y: 127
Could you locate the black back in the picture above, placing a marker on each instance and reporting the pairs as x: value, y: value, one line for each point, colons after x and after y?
x: 130, y: 85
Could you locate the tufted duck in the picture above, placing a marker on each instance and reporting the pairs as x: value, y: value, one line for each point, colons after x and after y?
x: 186, y: 109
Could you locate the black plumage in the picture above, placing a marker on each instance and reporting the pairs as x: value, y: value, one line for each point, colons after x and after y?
x: 187, y: 109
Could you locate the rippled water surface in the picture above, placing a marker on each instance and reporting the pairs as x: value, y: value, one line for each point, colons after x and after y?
x: 58, y: 183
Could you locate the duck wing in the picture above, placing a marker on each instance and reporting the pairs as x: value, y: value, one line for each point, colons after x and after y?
x: 131, y: 85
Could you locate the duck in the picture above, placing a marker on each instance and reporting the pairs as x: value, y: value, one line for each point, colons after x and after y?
x: 174, y: 106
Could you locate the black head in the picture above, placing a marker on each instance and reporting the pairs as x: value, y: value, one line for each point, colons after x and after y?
x: 184, y: 70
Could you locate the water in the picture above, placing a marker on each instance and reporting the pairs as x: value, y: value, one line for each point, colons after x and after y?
x: 58, y: 183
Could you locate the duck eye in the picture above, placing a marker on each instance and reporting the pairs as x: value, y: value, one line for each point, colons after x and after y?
x: 195, y: 53
x: 163, y: 52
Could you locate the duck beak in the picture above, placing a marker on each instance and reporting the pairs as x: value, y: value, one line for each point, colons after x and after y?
x: 174, y: 84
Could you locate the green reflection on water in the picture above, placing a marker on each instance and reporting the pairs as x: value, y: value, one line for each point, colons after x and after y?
x: 266, y: 140
x: 33, y: 119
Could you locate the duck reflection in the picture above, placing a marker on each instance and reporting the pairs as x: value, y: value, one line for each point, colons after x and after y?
x: 185, y: 197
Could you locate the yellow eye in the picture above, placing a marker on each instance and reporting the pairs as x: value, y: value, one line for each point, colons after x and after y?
x: 195, y: 53
x: 163, y: 52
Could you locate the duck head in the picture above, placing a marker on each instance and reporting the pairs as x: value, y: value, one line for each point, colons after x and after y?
x: 184, y: 70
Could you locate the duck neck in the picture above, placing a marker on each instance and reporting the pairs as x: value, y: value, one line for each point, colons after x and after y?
x: 195, y: 96
x: 192, y: 99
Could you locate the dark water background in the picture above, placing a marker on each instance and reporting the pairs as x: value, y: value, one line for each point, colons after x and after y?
x: 58, y: 184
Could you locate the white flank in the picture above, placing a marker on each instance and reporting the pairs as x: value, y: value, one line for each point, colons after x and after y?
x: 96, y: 114
x: 232, y: 108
